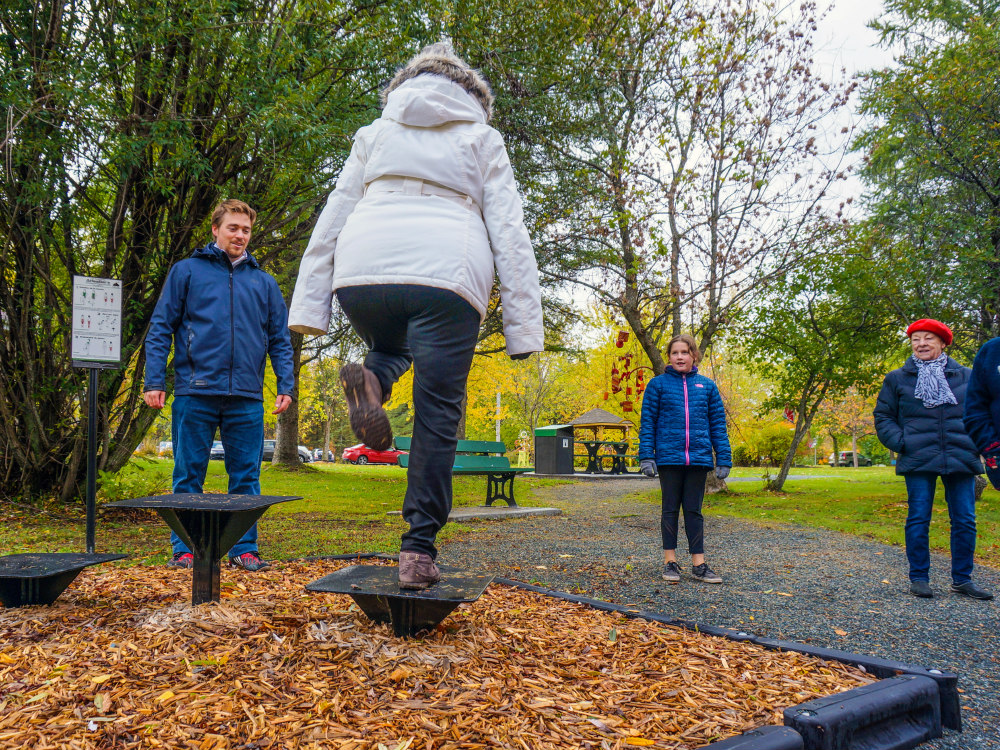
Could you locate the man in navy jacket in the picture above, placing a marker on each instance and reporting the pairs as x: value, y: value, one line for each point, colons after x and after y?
x: 224, y: 315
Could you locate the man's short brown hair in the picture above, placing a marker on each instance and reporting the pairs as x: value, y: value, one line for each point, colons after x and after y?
x: 232, y: 206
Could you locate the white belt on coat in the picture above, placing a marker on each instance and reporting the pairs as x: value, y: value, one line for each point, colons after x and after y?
x: 417, y: 186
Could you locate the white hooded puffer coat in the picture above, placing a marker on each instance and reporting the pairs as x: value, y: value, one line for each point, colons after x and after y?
x: 431, y: 129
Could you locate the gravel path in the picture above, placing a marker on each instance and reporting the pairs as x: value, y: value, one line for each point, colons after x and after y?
x: 845, y: 592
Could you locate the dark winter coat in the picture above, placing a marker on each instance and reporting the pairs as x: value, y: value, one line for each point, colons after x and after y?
x: 982, y: 401
x: 932, y: 440
x: 683, y: 422
x: 223, y: 321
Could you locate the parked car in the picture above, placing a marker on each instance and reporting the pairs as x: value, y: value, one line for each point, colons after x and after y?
x: 362, y: 454
x: 305, y: 456
x: 318, y: 455
x: 847, y: 459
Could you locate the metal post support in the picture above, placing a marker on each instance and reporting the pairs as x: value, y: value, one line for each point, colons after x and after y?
x: 91, y: 460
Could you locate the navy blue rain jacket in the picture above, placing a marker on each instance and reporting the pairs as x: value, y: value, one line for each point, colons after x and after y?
x: 683, y: 422
x: 223, y: 321
x: 982, y: 400
x: 932, y: 440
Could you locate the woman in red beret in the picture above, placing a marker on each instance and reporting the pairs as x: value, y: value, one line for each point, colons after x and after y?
x: 919, y: 416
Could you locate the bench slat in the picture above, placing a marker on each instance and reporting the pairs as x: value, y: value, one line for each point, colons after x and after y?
x: 481, y: 462
x: 475, y: 464
x: 464, y: 446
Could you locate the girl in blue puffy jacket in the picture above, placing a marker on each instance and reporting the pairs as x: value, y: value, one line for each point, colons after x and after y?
x: 682, y: 437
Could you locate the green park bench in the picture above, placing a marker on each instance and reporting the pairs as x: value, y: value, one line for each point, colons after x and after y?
x: 481, y: 457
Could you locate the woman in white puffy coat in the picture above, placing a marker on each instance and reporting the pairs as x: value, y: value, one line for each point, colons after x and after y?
x: 424, y: 213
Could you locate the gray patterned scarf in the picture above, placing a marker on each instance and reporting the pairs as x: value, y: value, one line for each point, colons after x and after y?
x: 932, y: 387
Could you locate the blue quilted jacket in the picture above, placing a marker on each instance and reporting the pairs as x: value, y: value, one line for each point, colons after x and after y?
x: 683, y: 422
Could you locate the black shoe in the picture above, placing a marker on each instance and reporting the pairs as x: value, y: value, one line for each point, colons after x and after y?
x: 970, y: 590
x: 921, y: 589
x: 704, y: 573
x: 249, y: 561
x: 672, y: 572
x: 181, y: 560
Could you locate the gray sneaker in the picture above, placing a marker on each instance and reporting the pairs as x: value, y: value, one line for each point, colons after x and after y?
x: 417, y: 571
x: 249, y: 561
x: 672, y: 572
x: 704, y: 573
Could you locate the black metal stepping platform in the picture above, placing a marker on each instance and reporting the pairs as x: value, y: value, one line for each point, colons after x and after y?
x: 40, y: 577
x: 209, y: 525
x: 375, y: 589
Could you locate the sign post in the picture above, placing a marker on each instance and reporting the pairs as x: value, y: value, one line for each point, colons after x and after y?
x: 97, y: 326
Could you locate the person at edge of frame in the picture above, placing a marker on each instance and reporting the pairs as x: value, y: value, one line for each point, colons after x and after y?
x: 225, y: 315
x: 683, y: 424
x: 919, y: 415
x: 425, y: 211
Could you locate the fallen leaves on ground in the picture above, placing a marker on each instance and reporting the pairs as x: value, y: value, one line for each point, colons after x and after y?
x: 122, y: 660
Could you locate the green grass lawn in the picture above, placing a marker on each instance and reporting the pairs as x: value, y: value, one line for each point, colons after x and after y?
x: 345, y: 509
x: 869, y: 502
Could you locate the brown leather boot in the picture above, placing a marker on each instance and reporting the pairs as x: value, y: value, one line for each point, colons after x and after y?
x: 363, y: 393
x: 417, y: 571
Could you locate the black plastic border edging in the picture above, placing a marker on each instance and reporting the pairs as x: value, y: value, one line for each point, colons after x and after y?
x: 947, y: 682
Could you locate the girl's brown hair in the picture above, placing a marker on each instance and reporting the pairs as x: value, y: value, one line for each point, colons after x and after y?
x: 692, y: 345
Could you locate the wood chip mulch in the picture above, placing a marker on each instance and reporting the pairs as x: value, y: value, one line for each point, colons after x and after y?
x: 122, y: 660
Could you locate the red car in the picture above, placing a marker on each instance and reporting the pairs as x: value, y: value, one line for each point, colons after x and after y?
x: 362, y: 454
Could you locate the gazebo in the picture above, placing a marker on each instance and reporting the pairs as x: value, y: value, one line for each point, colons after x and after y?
x: 599, y: 420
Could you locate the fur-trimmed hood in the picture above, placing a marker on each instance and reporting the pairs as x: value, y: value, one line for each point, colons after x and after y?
x: 440, y: 60
x: 431, y: 100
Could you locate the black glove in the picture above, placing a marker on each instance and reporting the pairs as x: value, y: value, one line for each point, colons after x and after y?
x: 522, y: 355
x: 648, y: 467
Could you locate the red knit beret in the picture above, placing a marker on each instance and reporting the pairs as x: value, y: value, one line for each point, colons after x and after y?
x: 930, y: 325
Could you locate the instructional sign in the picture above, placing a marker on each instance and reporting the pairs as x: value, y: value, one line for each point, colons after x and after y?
x: 97, y: 321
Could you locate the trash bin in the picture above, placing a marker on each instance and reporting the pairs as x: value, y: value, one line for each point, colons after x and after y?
x: 554, y: 449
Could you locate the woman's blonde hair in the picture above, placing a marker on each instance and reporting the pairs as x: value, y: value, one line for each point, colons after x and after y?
x: 440, y: 59
x: 692, y: 345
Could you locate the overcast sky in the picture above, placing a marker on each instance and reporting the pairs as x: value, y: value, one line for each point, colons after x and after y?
x: 843, y: 39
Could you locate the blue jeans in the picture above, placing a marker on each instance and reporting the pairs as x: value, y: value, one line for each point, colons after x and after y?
x: 240, y: 422
x: 960, y: 495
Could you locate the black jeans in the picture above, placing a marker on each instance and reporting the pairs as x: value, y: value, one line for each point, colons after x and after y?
x: 683, y: 487
x: 436, y: 331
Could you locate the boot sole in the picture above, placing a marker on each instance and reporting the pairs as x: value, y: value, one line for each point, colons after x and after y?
x: 369, y: 424
x: 417, y: 585
x: 973, y: 596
